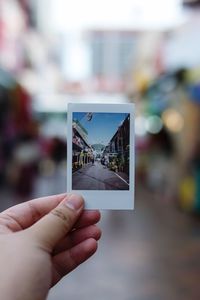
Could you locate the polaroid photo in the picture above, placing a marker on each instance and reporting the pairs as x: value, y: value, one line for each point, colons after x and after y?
x: 101, y: 154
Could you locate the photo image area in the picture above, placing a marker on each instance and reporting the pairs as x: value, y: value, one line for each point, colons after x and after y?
x: 100, y: 151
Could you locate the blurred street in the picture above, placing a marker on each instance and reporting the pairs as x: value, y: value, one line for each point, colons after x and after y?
x: 98, y: 177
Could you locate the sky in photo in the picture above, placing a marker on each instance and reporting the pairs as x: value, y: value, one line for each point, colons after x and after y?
x: 102, y: 126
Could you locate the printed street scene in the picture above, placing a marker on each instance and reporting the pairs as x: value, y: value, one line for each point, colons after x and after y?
x: 100, y: 151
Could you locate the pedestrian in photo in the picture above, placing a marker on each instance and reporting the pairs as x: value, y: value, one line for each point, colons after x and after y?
x: 93, y: 160
x: 81, y: 159
x: 103, y: 160
x: 106, y: 161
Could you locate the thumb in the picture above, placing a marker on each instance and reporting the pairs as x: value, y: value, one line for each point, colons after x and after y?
x: 54, y: 226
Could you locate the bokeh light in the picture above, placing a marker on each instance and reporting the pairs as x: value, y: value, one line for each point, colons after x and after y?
x: 153, y: 124
x: 173, y: 120
x: 140, y: 128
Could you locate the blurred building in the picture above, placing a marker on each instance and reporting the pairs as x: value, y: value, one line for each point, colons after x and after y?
x: 112, y: 55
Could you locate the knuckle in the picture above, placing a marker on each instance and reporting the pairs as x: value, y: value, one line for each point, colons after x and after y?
x: 65, y: 217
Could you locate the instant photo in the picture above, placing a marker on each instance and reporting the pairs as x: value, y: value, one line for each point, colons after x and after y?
x: 101, y: 154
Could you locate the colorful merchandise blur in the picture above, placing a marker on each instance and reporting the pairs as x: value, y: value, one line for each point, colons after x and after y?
x: 19, y: 150
x: 24, y: 151
x: 167, y: 137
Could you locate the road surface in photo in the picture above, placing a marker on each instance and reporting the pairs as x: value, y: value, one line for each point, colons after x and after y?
x: 98, y: 177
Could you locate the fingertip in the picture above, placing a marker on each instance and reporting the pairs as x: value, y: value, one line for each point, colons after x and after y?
x: 88, y: 217
x: 97, y: 215
x: 90, y: 246
x: 74, y: 202
x: 97, y: 233
x: 76, y: 195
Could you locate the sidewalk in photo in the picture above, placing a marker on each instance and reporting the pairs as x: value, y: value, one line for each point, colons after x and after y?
x: 124, y: 176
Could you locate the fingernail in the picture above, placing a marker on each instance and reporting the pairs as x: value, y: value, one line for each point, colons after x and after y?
x: 74, y: 202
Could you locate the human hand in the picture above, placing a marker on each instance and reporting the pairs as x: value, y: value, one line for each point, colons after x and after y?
x: 41, y: 241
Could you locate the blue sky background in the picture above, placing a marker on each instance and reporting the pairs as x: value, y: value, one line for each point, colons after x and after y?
x: 102, y: 127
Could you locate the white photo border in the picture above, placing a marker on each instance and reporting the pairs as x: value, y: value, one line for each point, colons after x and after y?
x: 103, y: 199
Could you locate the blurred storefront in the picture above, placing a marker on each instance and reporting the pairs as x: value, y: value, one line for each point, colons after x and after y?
x: 27, y: 149
x: 165, y: 84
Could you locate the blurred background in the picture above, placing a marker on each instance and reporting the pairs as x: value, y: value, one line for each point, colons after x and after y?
x: 144, y: 51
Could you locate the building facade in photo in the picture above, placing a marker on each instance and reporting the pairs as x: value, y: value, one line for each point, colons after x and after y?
x: 82, y: 152
x: 117, y: 150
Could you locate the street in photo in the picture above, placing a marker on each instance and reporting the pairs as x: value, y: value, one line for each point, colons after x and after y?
x: 100, y: 151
